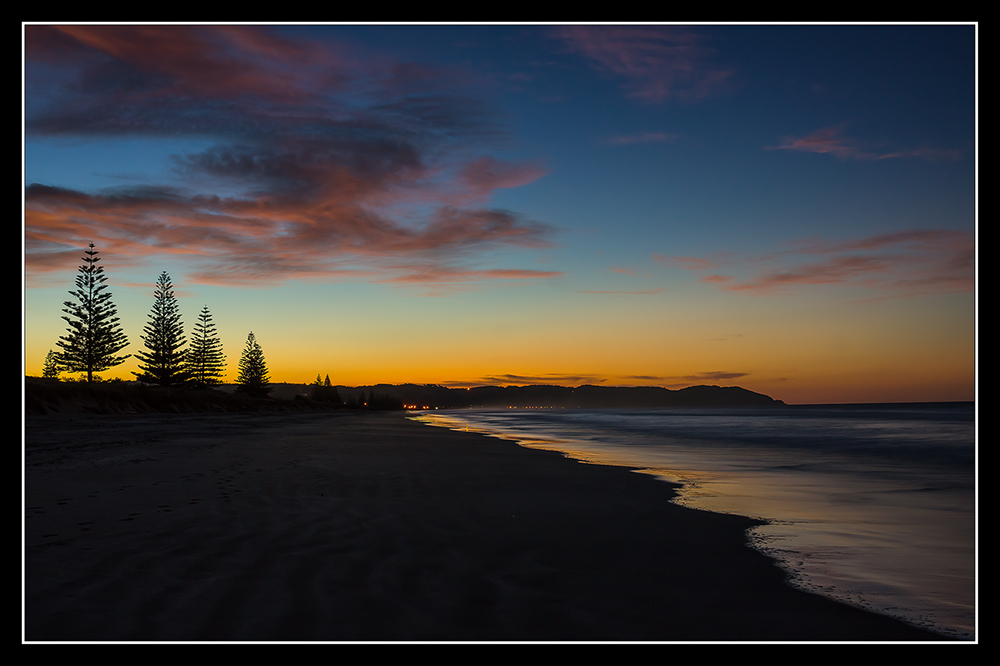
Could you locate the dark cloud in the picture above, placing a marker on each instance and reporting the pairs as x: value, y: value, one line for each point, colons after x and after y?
x: 552, y: 379
x: 714, y: 376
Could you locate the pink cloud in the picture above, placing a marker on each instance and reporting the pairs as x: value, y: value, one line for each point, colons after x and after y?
x: 242, y: 243
x: 901, y: 264
x: 719, y: 279
x: 438, y: 275
x: 836, y: 270
x: 657, y: 63
x: 927, y: 239
x: 926, y: 154
x: 830, y: 141
x: 824, y: 141
x: 897, y: 264
x: 488, y: 173
x: 332, y: 168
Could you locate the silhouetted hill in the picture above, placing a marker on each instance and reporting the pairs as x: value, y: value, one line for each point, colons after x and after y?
x: 584, y: 397
x: 44, y: 396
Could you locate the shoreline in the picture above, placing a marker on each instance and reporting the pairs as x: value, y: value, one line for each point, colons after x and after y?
x: 373, y: 527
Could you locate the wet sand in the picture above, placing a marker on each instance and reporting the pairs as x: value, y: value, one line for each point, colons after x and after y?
x: 370, y: 527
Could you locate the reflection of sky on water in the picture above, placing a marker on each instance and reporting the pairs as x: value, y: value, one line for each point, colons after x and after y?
x: 871, y: 507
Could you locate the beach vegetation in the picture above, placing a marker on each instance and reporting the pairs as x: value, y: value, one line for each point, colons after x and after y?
x: 164, y: 361
x: 325, y: 392
x: 94, y: 336
x: 45, y: 396
x: 253, y: 378
x: 206, y: 362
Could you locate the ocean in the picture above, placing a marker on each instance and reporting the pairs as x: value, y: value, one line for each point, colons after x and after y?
x: 872, y: 505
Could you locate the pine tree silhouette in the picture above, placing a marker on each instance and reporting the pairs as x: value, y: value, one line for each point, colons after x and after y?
x: 324, y: 391
x: 205, y: 360
x: 253, y: 378
x: 94, y: 336
x: 51, y: 368
x: 164, y: 363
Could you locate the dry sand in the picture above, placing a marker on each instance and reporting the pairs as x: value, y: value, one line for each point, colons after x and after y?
x: 372, y: 527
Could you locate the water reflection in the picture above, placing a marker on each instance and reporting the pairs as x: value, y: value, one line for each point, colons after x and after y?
x: 873, y: 508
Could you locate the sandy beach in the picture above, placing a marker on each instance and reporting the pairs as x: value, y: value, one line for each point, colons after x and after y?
x: 353, y: 526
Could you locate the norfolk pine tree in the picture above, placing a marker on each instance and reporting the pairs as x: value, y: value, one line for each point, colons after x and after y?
x: 94, y: 336
x: 51, y: 368
x: 253, y: 377
x: 164, y: 363
x: 205, y: 360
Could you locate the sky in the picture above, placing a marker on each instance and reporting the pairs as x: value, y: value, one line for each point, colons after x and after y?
x: 787, y: 208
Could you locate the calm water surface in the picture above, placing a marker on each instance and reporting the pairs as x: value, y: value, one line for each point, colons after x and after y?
x: 873, y: 505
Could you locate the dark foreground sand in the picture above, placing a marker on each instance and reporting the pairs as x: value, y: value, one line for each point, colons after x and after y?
x: 371, y: 527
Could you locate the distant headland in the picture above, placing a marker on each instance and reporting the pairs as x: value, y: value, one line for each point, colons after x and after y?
x: 43, y: 396
x: 563, y: 397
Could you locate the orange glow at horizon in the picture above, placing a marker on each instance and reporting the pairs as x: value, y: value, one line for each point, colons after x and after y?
x: 860, y: 384
x: 804, y: 354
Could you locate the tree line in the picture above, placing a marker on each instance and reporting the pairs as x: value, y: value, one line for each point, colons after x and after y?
x: 323, y: 391
x: 94, y: 339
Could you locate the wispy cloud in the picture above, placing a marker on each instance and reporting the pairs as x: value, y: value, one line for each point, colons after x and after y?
x: 832, y: 141
x: 656, y: 63
x: 634, y: 292
x: 583, y: 378
x: 726, y: 337
x: 681, y: 381
x: 551, y: 379
x: 321, y: 167
x: 423, y: 275
x: 487, y: 174
x: 689, y: 263
x: 714, y: 376
x: 645, y: 137
x: 720, y: 279
x: 901, y: 264
x: 825, y: 141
